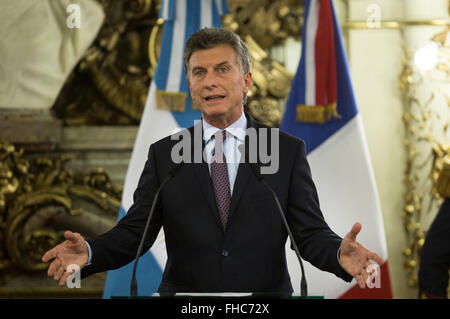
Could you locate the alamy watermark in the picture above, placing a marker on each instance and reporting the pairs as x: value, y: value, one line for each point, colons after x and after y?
x: 258, y: 152
x: 374, y: 279
x: 373, y: 21
x: 74, y: 280
x: 74, y: 18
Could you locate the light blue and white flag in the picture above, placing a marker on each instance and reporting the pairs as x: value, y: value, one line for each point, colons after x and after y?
x: 168, y: 90
x: 321, y: 109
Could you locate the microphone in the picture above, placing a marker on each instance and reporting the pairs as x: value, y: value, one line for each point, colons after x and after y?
x: 303, y: 284
x: 171, y: 174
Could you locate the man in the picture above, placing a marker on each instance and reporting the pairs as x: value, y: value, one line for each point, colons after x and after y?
x: 435, y: 255
x: 222, y: 229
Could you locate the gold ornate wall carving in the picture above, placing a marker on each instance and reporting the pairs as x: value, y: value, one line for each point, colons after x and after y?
x: 426, y: 117
x: 110, y: 84
x: 40, y: 199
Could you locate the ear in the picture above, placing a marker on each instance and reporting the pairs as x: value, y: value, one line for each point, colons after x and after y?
x: 247, y: 82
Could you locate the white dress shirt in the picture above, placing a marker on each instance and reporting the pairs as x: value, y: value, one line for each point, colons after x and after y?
x: 235, y: 137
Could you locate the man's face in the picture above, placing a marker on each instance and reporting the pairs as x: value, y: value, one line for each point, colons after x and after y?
x: 216, y: 83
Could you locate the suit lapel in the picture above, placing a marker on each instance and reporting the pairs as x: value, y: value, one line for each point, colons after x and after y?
x: 242, y: 178
x: 244, y: 173
x: 204, y: 179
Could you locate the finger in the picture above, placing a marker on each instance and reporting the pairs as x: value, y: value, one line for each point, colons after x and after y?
x: 53, y: 267
x: 50, y: 254
x: 377, y: 258
x: 64, y: 278
x: 360, y: 280
x: 72, y: 237
x: 354, y: 231
x: 59, y: 273
x: 365, y: 277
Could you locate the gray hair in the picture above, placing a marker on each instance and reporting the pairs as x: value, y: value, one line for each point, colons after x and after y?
x: 208, y: 38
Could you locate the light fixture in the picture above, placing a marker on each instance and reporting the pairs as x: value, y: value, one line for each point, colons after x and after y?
x: 426, y: 57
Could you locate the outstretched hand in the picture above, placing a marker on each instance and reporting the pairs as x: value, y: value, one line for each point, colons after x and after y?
x: 355, y: 259
x: 72, y: 251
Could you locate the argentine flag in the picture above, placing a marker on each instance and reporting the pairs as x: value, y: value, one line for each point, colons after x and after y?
x: 182, y: 18
x: 321, y: 109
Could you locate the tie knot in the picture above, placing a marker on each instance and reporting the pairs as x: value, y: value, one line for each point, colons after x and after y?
x: 218, y: 155
x: 220, y: 136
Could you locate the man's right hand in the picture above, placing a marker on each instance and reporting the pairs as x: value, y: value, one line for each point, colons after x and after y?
x: 72, y: 251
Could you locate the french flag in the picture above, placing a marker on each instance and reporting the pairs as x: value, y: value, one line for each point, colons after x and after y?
x: 168, y: 109
x: 321, y: 110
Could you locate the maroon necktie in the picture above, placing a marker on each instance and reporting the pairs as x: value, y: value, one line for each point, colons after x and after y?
x: 219, y: 176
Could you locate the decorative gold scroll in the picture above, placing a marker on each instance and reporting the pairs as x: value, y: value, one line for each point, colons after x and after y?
x: 41, y: 199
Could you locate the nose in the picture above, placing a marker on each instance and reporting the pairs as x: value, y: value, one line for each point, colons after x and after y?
x: 210, y: 80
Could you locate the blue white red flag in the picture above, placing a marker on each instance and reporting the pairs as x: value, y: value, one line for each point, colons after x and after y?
x: 168, y: 108
x: 321, y: 109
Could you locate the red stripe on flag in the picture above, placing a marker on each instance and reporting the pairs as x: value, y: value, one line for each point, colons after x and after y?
x: 325, y: 56
x: 384, y: 292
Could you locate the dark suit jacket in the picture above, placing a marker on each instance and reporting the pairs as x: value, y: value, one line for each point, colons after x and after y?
x: 250, y: 255
x: 435, y: 255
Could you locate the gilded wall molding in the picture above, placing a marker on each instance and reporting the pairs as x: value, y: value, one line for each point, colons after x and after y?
x: 426, y: 119
x: 40, y: 199
x: 393, y: 24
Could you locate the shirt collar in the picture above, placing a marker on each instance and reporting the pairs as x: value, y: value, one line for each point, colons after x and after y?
x: 237, y: 129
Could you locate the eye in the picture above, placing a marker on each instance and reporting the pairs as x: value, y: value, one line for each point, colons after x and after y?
x: 222, y: 70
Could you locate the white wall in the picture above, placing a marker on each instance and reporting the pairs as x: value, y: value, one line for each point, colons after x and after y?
x: 375, y: 60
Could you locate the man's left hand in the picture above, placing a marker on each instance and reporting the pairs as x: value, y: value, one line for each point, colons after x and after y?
x: 355, y: 258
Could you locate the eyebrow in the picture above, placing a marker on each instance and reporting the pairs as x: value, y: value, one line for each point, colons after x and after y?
x: 222, y: 63
x: 217, y: 65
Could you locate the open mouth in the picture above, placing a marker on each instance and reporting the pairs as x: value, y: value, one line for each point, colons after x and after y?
x: 214, y: 97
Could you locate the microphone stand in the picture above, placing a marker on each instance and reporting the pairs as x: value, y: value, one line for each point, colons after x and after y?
x: 303, y: 284
x: 171, y: 174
